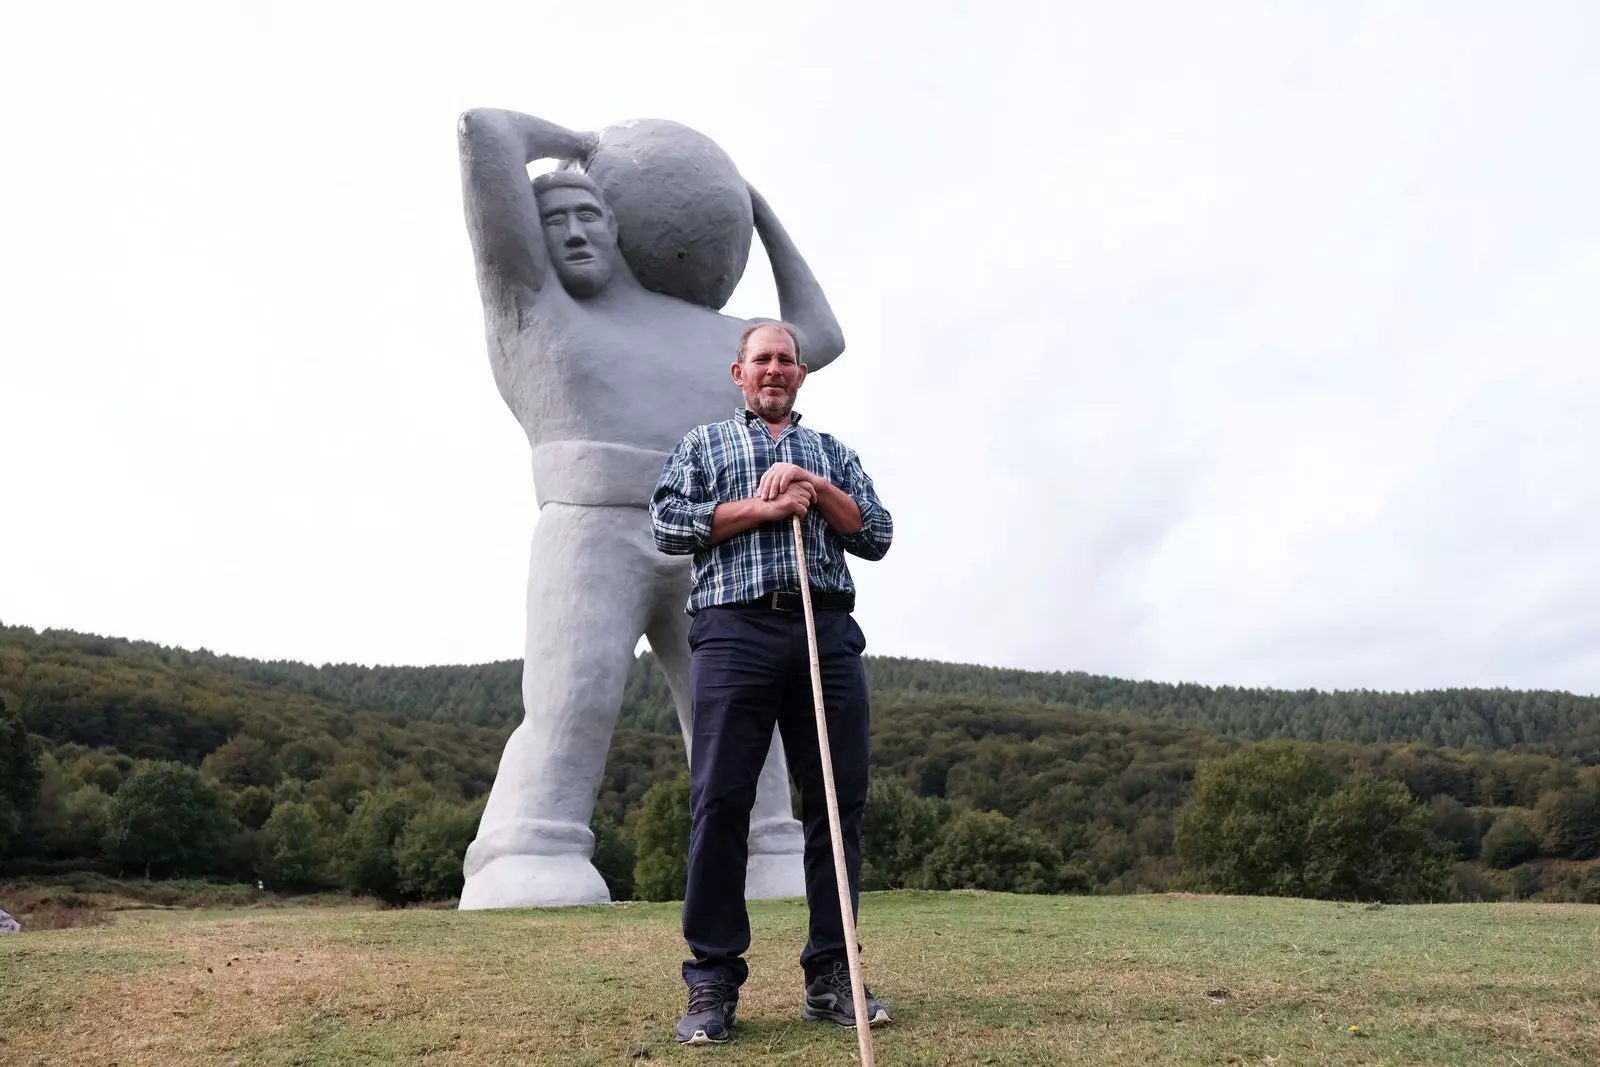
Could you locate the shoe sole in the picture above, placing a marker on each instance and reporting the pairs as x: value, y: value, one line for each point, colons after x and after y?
x: 880, y: 1019
x: 700, y: 1038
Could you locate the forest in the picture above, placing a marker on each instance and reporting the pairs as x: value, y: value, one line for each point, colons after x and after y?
x: 130, y: 758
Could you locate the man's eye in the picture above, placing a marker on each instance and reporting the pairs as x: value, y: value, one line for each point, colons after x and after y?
x: 588, y: 216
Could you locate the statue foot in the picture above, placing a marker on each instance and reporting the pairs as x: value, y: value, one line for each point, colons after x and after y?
x: 534, y: 882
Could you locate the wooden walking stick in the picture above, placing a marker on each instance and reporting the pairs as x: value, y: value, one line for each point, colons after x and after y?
x: 852, y: 951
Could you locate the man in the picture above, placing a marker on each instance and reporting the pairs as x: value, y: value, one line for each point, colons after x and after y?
x: 604, y: 376
x: 727, y: 495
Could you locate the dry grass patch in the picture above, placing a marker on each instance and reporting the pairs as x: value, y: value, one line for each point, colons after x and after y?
x: 975, y: 979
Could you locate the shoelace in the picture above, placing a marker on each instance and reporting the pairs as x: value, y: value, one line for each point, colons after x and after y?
x: 710, y: 996
x: 838, y: 980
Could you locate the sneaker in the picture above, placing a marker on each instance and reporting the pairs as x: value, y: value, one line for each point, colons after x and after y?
x: 710, y: 1018
x: 828, y: 999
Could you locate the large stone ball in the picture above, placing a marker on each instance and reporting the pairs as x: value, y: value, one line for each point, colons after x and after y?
x: 684, y: 221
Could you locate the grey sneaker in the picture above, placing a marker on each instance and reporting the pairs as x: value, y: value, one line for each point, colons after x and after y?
x: 828, y: 999
x: 710, y: 1018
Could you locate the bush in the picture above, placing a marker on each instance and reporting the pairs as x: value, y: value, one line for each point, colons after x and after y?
x: 429, y: 851
x: 1589, y: 887
x: 660, y: 832
x: 898, y: 831
x: 169, y: 819
x: 1569, y: 821
x: 1246, y: 829
x: 365, y: 856
x: 613, y: 855
x: 1473, y: 885
x: 1369, y: 841
x: 1526, y: 880
x: 986, y: 850
x: 294, y: 849
x: 1509, y: 842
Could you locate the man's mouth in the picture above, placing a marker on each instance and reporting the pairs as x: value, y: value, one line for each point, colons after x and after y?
x: 579, y: 257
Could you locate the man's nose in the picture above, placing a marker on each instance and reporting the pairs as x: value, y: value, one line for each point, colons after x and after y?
x: 575, y: 235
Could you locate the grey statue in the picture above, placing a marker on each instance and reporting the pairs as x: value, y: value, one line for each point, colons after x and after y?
x: 606, y: 373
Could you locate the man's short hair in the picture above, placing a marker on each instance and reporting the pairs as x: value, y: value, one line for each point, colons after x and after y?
x: 568, y: 179
x: 762, y: 324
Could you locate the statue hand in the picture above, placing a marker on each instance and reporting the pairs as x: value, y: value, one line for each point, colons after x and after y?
x: 590, y: 144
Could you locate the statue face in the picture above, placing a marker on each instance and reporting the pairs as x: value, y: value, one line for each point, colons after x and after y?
x: 771, y: 374
x: 580, y: 235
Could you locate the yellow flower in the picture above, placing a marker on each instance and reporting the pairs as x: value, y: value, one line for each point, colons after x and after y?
x: 1355, y: 1029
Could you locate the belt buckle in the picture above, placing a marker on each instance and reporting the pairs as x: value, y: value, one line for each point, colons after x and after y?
x: 775, y: 606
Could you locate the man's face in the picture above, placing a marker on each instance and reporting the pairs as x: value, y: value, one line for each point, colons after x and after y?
x: 578, y: 233
x: 771, y: 374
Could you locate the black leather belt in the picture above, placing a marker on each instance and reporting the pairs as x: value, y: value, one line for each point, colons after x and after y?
x: 789, y: 600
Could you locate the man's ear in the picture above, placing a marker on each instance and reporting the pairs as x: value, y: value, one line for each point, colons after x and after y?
x: 736, y: 371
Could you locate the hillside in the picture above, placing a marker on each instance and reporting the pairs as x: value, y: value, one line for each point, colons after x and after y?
x: 1538, y: 721
x: 1085, y: 776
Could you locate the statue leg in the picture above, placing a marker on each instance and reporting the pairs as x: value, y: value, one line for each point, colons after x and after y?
x: 776, y: 866
x: 588, y: 586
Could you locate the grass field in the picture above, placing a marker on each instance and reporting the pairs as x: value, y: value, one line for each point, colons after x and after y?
x: 973, y: 978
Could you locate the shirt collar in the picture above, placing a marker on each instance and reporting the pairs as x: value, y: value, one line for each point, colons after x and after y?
x: 747, y: 416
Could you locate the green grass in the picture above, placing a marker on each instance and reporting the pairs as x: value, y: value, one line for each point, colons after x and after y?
x: 973, y: 978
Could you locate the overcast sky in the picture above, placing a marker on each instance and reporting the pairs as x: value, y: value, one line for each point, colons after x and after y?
x: 1250, y: 344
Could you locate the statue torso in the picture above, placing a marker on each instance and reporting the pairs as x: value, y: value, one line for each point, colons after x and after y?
x: 639, y: 369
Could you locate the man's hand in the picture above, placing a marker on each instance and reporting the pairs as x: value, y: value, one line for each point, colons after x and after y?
x: 778, y: 479
x: 795, y: 499
x: 737, y: 516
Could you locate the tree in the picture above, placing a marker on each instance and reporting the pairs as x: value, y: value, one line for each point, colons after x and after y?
x: 1369, y: 841
x: 252, y: 806
x: 660, y: 832
x: 365, y: 855
x: 169, y: 819
x: 1510, y: 841
x: 1570, y: 822
x: 294, y: 848
x: 898, y: 831
x: 241, y: 762
x: 1246, y: 829
x: 986, y: 850
x: 1455, y: 826
x: 429, y: 852
x: 613, y: 855
x: 19, y: 775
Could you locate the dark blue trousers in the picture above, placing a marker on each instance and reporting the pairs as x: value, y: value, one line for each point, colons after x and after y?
x: 750, y: 669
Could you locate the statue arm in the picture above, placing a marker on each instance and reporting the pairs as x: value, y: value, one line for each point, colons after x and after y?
x: 800, y: 298
x: 502, y: 215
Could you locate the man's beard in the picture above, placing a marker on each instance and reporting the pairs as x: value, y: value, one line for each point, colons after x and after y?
x: 770, y: 408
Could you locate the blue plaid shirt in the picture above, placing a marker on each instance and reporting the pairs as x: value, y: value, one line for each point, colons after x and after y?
x: 724, y: 462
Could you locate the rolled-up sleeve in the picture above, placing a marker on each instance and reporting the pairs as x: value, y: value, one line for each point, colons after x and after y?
x: 877, y: 526
x: 682, y: 507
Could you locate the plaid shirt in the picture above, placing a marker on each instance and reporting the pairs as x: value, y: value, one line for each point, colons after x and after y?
x: 723, y: 462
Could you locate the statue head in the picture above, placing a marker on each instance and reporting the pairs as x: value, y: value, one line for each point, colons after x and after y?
x: 768, y: 369
x: 580, y: 233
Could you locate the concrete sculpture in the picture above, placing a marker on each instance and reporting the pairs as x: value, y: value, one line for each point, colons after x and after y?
x: 601, y: 282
